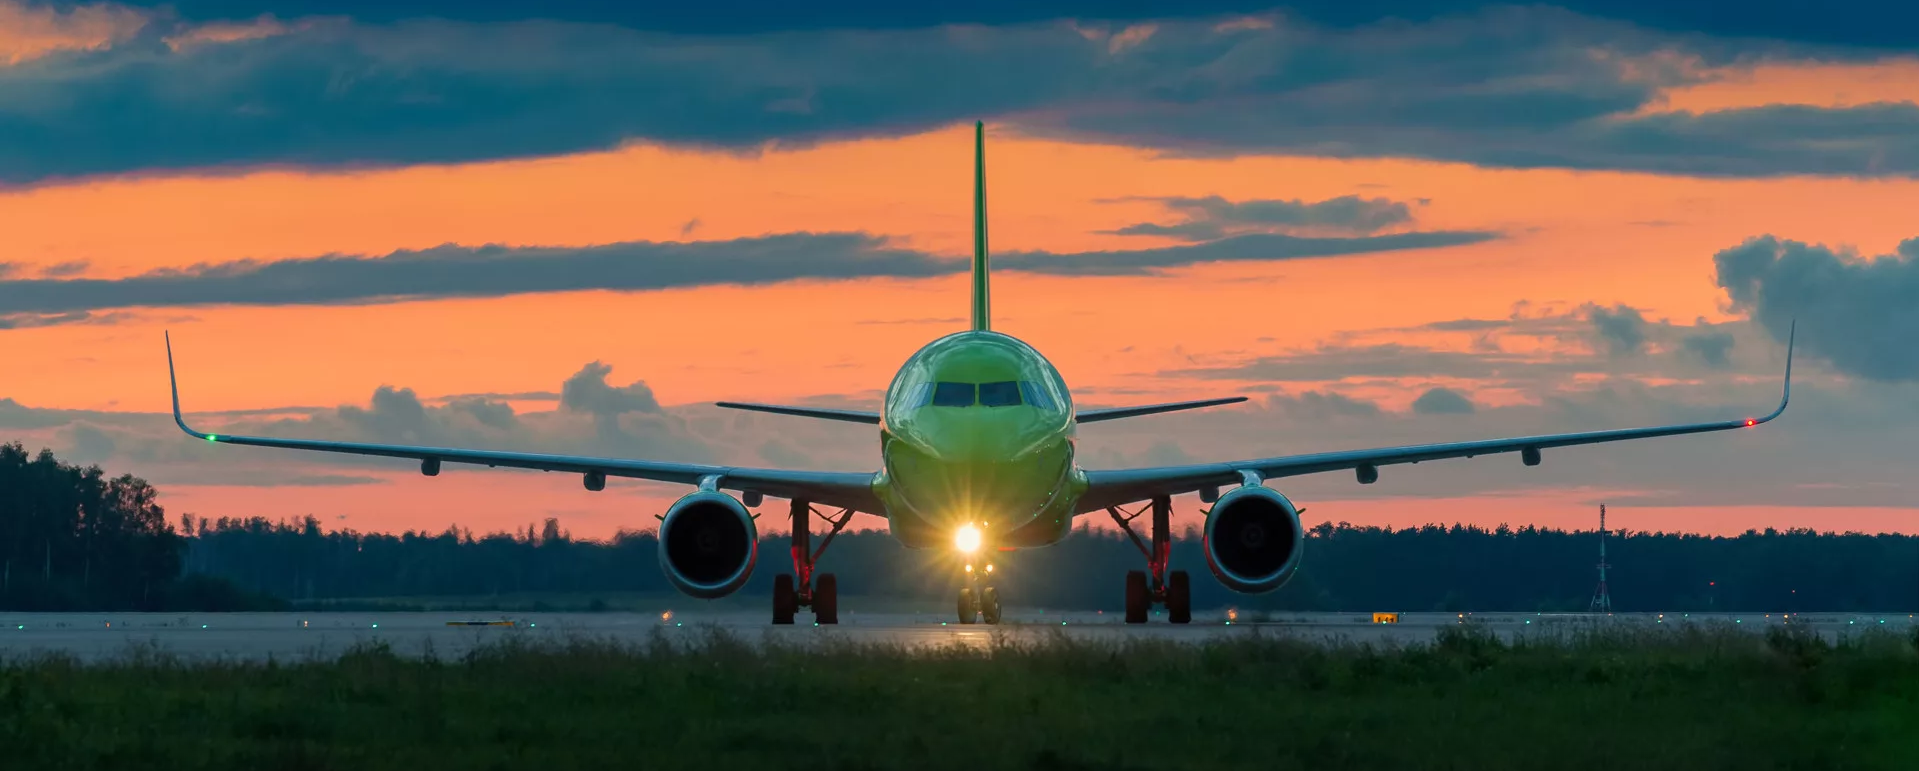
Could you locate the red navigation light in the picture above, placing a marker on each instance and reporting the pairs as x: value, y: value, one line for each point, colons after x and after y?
x: 1751, y: 422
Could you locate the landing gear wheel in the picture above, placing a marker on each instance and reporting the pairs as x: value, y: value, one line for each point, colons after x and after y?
x: 785, y: 601
x: 968, y: 606
x: 826, y: 599
x: 989, y: 605
x: 1138, y: 600
x: 1179, y: 598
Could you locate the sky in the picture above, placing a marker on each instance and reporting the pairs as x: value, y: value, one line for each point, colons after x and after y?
x: 571, y: 226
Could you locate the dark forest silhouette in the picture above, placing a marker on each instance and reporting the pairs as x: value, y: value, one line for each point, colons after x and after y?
x: 1347, y: 568
x: 75, y: 539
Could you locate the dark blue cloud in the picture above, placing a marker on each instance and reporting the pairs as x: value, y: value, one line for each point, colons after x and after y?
x: 1442, y: 401
x: 1513, y: 88
x: 1713, y: 349
x: 1841, y: 22
x: 1621, y: 329
x: 1861, y: 314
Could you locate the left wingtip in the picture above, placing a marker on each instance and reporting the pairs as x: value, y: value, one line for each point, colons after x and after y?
x: 173, y: 382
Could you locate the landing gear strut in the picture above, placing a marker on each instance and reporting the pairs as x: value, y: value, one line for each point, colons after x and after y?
x: 822, y: 596
x: 1144, y: 590
x: 978, y: 603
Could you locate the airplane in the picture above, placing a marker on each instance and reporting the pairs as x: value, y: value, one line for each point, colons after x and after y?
x: 977, y: 438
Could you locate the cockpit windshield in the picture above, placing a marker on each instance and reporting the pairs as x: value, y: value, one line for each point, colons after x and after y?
x: 1004, y: 393
x: 952, y: 395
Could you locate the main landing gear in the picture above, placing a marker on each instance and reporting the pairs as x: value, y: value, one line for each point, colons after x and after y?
x: 822, y: 596
x: 978, y: 603
x: 1174, y: 590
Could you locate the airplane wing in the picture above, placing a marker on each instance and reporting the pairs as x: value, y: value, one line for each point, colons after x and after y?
x: 1113, y: 488
x: 852, y: 490
x: 1094, y: 416
x: 850, y: 416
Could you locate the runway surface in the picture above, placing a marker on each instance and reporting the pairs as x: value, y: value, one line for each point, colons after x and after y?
x: 297, y: 636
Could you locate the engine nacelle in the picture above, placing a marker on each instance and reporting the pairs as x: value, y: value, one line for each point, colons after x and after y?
x: 1253, y: 539
x: 708, y: 544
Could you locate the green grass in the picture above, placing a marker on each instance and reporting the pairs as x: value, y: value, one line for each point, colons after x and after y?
x: 1620, y: 698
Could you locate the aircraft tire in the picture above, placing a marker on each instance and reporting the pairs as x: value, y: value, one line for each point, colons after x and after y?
x: 989, y: 605
x: 826, y: 599
x: 968, y: 607
x: 1179, y: 598
x: 786, y: 602
x: 1138, y: 600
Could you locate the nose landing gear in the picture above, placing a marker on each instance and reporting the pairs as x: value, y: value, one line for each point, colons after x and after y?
x: 822, y: 596
x: 1174, y: 590
x: 977, y: 603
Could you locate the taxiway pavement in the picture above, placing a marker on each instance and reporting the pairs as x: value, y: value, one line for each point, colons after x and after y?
x: 296, y: 636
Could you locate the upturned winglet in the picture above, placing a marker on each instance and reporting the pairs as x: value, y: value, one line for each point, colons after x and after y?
x: 1785, y: 394
x: 174, y: 381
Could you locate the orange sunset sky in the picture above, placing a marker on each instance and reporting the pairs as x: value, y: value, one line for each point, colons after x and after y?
x: 571, y: 233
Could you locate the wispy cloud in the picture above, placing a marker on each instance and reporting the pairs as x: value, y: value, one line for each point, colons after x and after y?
x: 495, y: 271
x: 1212, y: 217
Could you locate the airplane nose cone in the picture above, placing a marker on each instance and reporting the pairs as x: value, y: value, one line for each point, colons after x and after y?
x: 983, y: 477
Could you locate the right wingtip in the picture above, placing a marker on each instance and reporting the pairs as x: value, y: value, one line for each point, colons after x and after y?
x: 1792, y: 335
x: 1785, y: 386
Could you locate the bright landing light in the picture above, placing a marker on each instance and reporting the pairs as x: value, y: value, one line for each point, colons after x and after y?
x: 967, y: 539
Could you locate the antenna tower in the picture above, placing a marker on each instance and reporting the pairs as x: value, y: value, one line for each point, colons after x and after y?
x: 1602, y: 599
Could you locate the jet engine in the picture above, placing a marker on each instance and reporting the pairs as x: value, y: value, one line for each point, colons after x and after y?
x: 1253, y: 539
x: 708, y: 544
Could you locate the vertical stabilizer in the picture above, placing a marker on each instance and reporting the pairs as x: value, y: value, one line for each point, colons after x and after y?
x: 982, y: 316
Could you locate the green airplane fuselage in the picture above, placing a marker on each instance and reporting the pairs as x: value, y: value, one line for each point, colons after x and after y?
x: 977, y: 428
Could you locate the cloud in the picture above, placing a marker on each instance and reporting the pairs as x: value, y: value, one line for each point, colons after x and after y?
x: 1383, y: 360
x: 31, y: 31
x: 593, y: 418
x: 1621, y: 329
x: 1532, y: 87
x: 1713, y: 349
x: 1895, y: 25
x: 1251, y: 247
x: 89, y: 443
x: 31, y: 320
x: 1442, y: 401
x: 496, y: 271
x: 1855, y: 312
x: 66, y: 269
x: 1213, y: 217
x: 1321, y: 405
x: 1536, y: 350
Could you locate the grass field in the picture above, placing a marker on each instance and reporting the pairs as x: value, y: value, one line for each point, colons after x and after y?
x: 1679, y: 698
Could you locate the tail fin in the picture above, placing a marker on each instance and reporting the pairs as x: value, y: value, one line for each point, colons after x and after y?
x: 982, y: 316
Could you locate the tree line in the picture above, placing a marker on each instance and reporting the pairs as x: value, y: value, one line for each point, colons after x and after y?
x: 1346, y: 568
x: 72, y: 538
